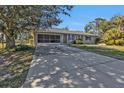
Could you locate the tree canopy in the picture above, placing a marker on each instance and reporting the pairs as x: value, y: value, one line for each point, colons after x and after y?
x: 16, y: 19
x: 110, y: 32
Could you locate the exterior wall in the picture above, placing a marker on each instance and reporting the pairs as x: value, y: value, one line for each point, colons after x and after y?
x: 61, y: 38
x: 91, y: 41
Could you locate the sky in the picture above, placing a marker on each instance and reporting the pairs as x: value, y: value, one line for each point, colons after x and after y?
x: 82, y: 14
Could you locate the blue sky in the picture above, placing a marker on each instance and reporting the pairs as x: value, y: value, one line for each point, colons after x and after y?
x: 82, y: 14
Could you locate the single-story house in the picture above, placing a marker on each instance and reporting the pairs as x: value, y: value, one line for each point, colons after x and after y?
x: 61, y: 36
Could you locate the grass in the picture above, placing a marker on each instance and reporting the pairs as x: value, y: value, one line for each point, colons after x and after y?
x: 14, y: 67
x: 111, y: 51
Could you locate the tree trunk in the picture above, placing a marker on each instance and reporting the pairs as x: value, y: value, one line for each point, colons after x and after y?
x: 10, y: 42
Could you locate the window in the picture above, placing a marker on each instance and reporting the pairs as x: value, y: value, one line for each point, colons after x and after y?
x: 48, y: 38
x: 73, y: 37
x: 87, y: 38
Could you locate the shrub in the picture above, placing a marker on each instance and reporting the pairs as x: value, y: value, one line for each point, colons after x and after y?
x: 113, y: 37
x: 20, y: 48
x: 119, y: 42
x: 78, y: 41
x: 97, y: 40
x: 23, y: 47
x: 110, y: 42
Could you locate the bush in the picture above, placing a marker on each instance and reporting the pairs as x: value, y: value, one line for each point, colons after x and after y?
x: 119, y: 42
x: 97, y: 40
x: 113, y: 37
x: 20, y: 48
x: 110, y: 42
x: 78, y: 41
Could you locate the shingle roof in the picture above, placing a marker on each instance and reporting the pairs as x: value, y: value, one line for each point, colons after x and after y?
x: 63, y: 31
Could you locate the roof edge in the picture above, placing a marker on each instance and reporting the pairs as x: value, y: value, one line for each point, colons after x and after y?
x: 64, y: 31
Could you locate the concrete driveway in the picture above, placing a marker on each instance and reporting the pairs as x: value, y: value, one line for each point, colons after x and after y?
x: 62, y: 66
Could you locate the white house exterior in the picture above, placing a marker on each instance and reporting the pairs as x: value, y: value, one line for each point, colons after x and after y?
x: 60, y: 36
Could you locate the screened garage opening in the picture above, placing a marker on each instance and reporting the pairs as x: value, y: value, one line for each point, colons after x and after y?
x: 42, y: 38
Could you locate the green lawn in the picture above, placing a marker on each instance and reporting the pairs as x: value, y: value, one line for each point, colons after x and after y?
x: 111, y: 51
x: 14, y: 67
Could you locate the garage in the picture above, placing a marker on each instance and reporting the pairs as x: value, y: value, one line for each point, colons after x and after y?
x: 44, y: 38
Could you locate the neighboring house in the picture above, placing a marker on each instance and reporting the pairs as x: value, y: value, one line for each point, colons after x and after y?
x: 61, y: 36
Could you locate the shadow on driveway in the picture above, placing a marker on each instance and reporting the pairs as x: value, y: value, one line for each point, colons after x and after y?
x: 62, y: 66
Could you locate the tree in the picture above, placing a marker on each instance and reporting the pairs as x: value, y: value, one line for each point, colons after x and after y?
x: 109, y: 32
x: 90, y: 28
x: 16, y: 19
x: 101, y: 25
x: 97, y: 26
x: 65, y: 28
x: 113, y: 37
x: 118, y: 22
